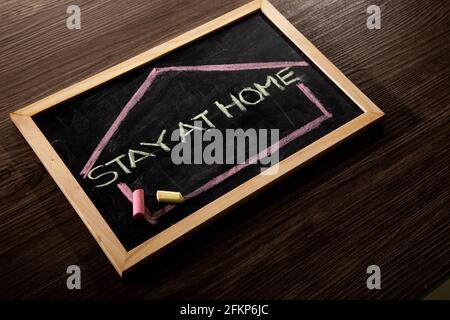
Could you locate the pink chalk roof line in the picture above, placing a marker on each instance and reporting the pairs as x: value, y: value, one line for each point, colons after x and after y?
x: 151, y: 217
x: 159, y: 71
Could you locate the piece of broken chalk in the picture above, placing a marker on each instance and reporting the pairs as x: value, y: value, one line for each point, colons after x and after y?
x: 138, y: 204
x: 169, y: 196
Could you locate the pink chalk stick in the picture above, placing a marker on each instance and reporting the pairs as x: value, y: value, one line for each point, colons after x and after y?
x: 138, y: 204
x: 126, y: 191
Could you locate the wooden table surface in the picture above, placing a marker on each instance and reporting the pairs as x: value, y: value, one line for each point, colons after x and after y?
x: 380, y: 199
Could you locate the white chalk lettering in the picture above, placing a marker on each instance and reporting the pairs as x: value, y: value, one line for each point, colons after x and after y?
x: 284, y: 78
x: 119, y: 162
x: 235, y: 102
x: 269, y: 81
x: 114, y: 178
x: 251, y: 90
x: 159, y: 143
x: 204, y: 118
x: 183, y: 132
x: 134, y: 160
x: 239, y: 141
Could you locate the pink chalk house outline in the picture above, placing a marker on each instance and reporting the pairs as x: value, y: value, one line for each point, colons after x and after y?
x: 127, y: 192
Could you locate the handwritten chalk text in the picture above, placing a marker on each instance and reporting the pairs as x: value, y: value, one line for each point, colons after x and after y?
x: 249, y: 97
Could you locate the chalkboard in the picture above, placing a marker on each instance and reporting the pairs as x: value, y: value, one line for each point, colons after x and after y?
x: 118, y: 136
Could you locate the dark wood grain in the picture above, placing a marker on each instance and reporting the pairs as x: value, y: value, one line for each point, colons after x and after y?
x: 380, y: 199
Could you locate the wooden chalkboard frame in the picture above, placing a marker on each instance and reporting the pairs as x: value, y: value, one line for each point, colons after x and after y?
x: 122, y: 259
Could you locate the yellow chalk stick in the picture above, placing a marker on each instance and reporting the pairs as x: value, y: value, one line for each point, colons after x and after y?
x: 169, y: 196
